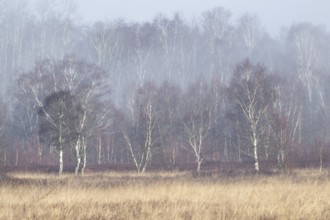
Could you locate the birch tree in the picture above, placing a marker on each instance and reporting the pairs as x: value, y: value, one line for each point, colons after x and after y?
x: 197, y: 119
x: 250, y: 91
x: 250, y: 31
x: 215, y: 24
x: 29, y: 91
x: 168, y: 122
x: 83, y: 80
x: 141, y: 135
x: 87, y: 83
x: 305, y: 42
x: 59, y: 113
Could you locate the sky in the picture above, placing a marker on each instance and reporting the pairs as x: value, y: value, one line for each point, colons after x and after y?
x: 273, y: 14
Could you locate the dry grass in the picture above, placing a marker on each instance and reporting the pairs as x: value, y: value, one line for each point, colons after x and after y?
x: 302, y: 195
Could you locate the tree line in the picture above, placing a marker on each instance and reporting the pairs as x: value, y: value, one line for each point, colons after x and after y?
x: 166, y: 93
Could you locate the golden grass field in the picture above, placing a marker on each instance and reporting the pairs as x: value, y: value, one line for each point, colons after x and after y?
x: 165, y: 195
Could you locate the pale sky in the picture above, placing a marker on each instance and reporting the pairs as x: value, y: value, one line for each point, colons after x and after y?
x: 273, y: 14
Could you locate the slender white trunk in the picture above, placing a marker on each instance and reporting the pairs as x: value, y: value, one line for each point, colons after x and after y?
x: 255, y: 150
x: 131, y: 152
x: 61, y: 162
x: 238, y: 143
x: 281, y: 156
x: 77, y: 148
x: 266, y: 152
x: 40, y: 152
x: 78, y: 165
x: 16, y: 159
x: 197, y: 150
x: 256, y: 161
x: 174, y: 154
x: 239, y: 153
x: 279, y: 160
x: 199, y: 164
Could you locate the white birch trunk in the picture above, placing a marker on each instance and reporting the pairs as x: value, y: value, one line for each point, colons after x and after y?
x: 255, y: 151
x: 61, y: 162
x: 256, y: 161
x: 77, y: 148
x: 199, y: 164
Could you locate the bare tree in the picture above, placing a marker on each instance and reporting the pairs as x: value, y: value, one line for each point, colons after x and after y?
x: 251, y: 96
x: 57, y: 125
x: 168, y: 123
x: 216, y: 25
x: 83, y: 80
x: 141, y: 134
x: 29, y: 91
x: 197, y: 119
x: 304, y: 41
x: 285, y: 117
x: 86, y: 82
x: 250, y: 31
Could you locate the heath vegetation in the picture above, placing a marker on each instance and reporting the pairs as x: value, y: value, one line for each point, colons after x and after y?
x: 302, y: 194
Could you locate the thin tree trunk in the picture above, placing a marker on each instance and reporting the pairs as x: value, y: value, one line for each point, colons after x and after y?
x: 112, y: 158
x: 40, y: 152
x: 239, y: 153
x: 256, y: 160
x: 174, y: 154
x: 238, y: 142
x: 108, y: 150
x: 77, y: 148
x: 99, y: 153
x: 281, y: 155
x: 255, y: 147
x: 225, y: 150
x: 5, y: 157
x: 321, y: 162
x: 131, y: 152
x: 84, y: 156
x: 321, y: 157
x: 267, y: 152
x: 199, y: 164
x: 60, y: 171
x: 16, y: 156
x: 279, y: 160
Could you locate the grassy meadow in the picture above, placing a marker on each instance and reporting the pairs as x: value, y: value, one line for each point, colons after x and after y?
x: 302, y: 194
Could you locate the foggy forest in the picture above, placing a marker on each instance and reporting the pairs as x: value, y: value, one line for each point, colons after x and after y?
x: 167, y: 94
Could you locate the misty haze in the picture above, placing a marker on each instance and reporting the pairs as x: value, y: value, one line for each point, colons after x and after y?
x: 162, y: 110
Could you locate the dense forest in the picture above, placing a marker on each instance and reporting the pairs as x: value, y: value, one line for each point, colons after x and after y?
x: 168, y: 93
